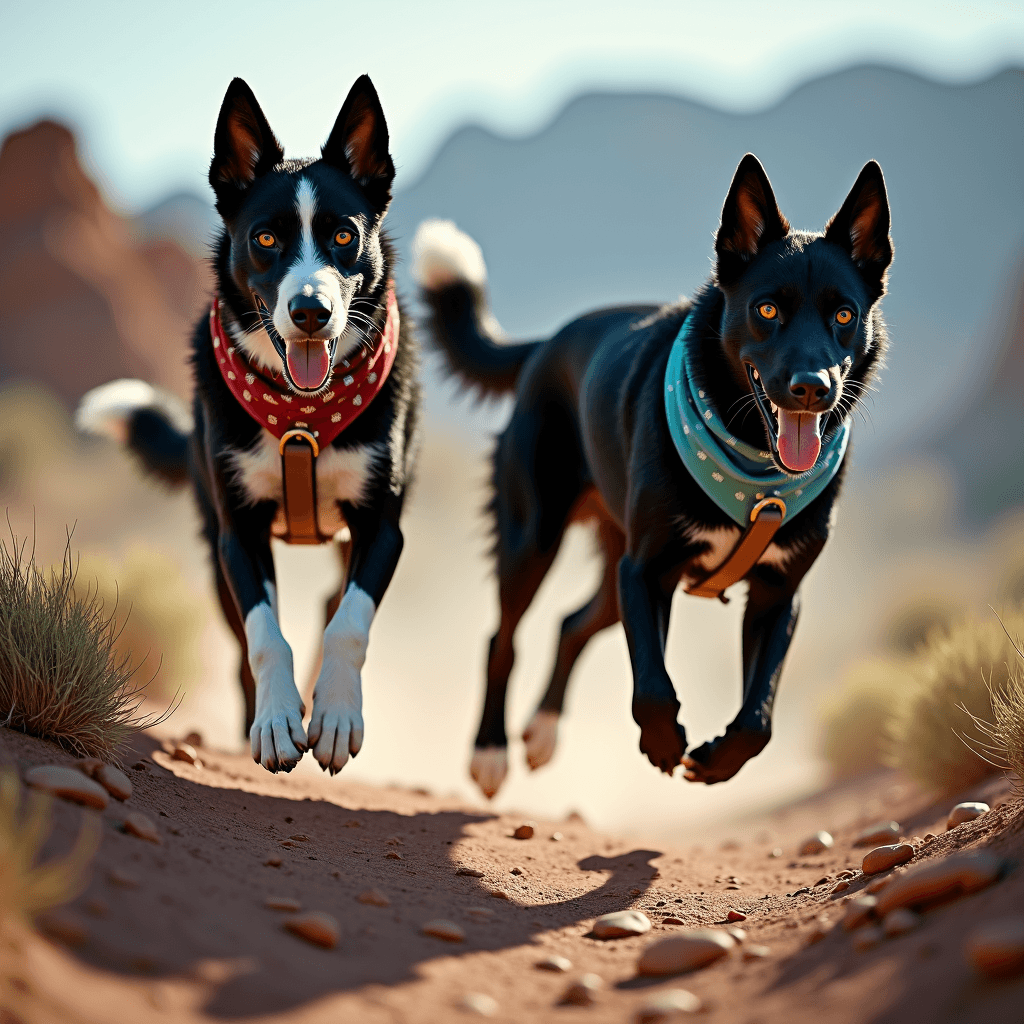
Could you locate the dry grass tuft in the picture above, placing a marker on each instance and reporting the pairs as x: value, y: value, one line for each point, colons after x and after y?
x: 61, y: 677
x: 26, y: 888
x: 157, y: 622
x: 856, y: 719
x: 936, y: 734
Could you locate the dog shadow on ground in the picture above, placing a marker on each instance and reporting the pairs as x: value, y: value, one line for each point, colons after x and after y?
x: 193, y: 907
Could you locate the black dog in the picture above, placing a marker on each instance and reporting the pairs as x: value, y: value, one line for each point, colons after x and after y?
x: 789, y: 325
x: 304, y: 347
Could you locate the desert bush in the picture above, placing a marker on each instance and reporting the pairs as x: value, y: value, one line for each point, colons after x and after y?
x: 856, y: 719
x: 26, y: 888
x: 935, y: 733
x: 912, y: 622
x: 60, y: 675
x: 157, y: 622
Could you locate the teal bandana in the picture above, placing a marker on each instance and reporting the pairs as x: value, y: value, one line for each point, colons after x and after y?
x: 735, y: 475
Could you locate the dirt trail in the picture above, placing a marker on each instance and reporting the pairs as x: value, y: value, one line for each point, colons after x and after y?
x: 194, y: 941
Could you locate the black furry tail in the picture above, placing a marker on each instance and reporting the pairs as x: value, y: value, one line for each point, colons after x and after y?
x: 150, y: 423
x: 450, y: 270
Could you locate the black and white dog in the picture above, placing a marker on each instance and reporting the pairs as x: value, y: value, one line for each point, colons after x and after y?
x: 772, y: 356
x: 305, y: 336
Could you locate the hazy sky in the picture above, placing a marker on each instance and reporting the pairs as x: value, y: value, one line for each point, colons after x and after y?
x: 144, y: 81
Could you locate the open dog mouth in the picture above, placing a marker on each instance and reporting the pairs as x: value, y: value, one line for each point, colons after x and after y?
x: 795, y: 437
x: 308, y: 363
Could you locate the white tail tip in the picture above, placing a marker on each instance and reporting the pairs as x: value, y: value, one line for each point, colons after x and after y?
x: 443, y: 255
x: 105, y: 410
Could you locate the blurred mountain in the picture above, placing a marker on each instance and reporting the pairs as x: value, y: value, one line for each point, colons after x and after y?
x: 618, y: 200
x: 81, y: 302
x: 183, y: 217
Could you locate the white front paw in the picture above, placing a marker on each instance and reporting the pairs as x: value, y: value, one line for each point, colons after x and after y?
x: 336, y: 728
x: 489, y: 768
x: 540, y: 737
x: 277, y: 738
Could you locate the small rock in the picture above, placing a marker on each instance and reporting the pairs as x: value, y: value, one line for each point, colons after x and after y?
x: 859, y: 911
x: 687, y: 952
x: 63, y: 928
x: 756, y: 952
x: 517, y: 871
x: 666, y: 1007
x: 442, y: 929
x: 469, y: 872
x: 965, y: 812
x: 847, y: 873
x: 672, y: 920
x: 282, y: 903
x: 556, y: 837
x: 818, y: 843
x: 272, y: 862
x: 138, y: 824
x: 193, y: 739
x: 89, y: 765
x: 899, y: 922
x: 525, y: 831
x: 735, y: 915
x: 185, y: 752
x: 558, y: 964
x: 114, y: 781
x: 620, y: 924
x: 480, y: 913
x: 777, y: 852
x: 373, y: 898
x: 930, y: 837
x: 124, y: 879
x: 876, y: 885
x: 499, y: 894
x: 841, y: 886
x: 583, y: 992
x: 868, y: 938
x: 299, y: 837
x: 821, y: 881
x: 394, y: 855
x: 288, y: 844
x: 799, y: 892
x: 876, y: 835
x: 317, y: 927
x: 68, y: 784
x: 738, y: 934
x: 996, y: 949
x: 480, y: 1004
x: 882, y: 858
x: 931, y: 884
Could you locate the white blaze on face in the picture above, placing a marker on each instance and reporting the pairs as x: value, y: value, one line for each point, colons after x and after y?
x: 309, y: 275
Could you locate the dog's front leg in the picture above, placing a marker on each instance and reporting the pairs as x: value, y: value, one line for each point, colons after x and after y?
x: 336, y: 725
x: 768, y: 624
x: 644, y: 604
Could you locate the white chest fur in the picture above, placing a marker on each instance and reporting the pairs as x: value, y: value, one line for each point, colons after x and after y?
x: 341, y: 475
x: 722, y: 541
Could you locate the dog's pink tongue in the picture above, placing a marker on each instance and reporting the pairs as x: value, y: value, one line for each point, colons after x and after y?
x: 799, y: 439
x: 309, y: 363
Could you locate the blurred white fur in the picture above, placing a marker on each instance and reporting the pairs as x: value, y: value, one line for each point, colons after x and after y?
x: 105, y: 411
x: 443, y: 255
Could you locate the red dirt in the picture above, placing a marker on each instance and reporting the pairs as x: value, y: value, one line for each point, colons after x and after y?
x: 194, y: 941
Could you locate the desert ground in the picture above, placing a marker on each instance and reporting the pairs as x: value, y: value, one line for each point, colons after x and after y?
x: 180, y: 929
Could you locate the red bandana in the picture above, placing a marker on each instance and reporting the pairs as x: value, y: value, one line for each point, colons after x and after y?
x: 269, y: 400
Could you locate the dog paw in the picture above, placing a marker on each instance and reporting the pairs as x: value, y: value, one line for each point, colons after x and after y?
x: 335, y: 732
x: 277, y: 739
x: 540, y: 737
x: 662, y: 738
x: 720, y: 759
x: 489, y: 768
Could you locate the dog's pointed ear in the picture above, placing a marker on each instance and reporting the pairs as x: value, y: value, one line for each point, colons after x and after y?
x: 244, y: 147
x: 358, y: 143
x: 861, y: 227
x: 750, y: 220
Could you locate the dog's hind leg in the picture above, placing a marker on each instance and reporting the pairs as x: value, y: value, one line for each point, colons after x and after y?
x: 600, y: 612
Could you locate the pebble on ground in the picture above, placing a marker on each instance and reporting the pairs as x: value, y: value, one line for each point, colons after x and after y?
x: 68, y: 784
x: 282, y: 903
x: 525, y: 831
x: 964, y: 812
x: 480, y: 1004
x: 936, y: 883
x: 114, y: 781
x: 883, y: 858
x: 582, y: 992
x: 187, y: 753
x: 686, y: 952
x: 556, y: 963
x: 317, y: 927
x: 439, y: 928
x: 142, y: 826
x: 667, y: 1006
x: 374, y: 898
x: 818, y: 843
x: 620, y: 924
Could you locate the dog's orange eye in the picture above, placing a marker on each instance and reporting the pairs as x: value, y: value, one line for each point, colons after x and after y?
x: 343, y: 237
x: 844, y: 316
x: 768, y: 311
x: 266, y: 239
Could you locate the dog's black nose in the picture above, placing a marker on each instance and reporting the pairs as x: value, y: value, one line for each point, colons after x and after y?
x: 309, y: 313
x: 809, y: 388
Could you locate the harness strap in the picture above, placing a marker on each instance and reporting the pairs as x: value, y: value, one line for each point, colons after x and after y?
x: 299, y: 450
x: 765, y: 519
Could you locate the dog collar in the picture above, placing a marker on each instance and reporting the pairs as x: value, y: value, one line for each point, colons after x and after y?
x: 324, y: 415
x: 734, y: 474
